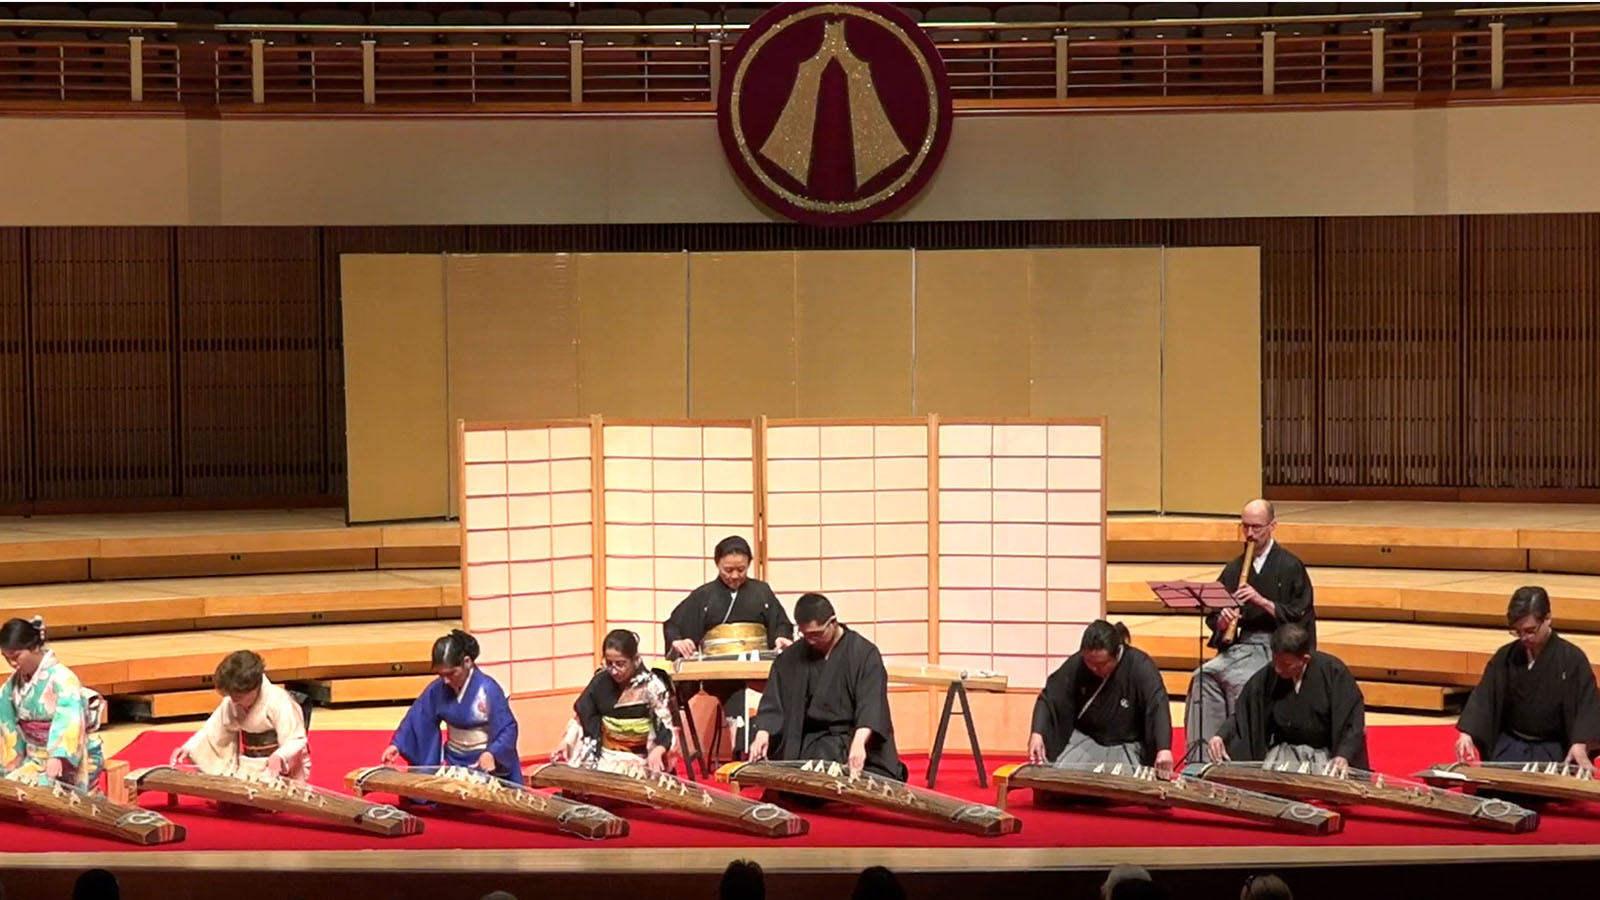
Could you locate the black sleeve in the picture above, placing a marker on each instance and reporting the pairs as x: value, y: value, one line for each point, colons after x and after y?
x: 1245, y: 732
x: 769, y: 714
x: 778, y: 624
x: 1349, y: 718
x: 685, y: 621
x: 587, y: 707
x: 1152, y: 693
x: 871, y: 685
x: 1580, y: 705
x: 1482, y: 714
x: 1055, y: 712
x: 1295, y: 604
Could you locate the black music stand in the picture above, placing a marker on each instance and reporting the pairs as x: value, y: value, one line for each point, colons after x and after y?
x: 1204, y: 597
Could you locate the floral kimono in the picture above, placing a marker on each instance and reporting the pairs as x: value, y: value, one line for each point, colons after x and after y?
x: 614, y: 727
x: 49, y: 715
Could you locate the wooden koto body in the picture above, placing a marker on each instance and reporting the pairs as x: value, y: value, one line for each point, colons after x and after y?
x: 473, y: 789
x: 834, y: 781
x: 669, y: 792
x: 1556, y: 781
x: 276, y: 795
x: 757, y: 670
x: 1141, y: 785
x: 93, y: 811
x: 1304, y: 781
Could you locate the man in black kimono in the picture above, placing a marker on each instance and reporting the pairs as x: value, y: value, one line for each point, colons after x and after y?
x: 1304, y: 707
x: 1277, y: 590
x: 732, y: 596
x: 1105, y: 704
x: 827, y: 698
x: 1536, y: 701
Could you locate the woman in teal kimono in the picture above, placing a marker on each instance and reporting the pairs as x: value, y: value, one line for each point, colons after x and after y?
x: 44, y: 714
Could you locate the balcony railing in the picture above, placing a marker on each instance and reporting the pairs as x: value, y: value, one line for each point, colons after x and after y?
x: 573, y: 66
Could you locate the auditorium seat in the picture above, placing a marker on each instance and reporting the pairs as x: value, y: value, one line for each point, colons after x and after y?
x: 332, y: 17
x: 264, y: 15
x: 1027, y: 12
x: 540, y: 17
x: 1095, y: 12
x: 677, y: 15
x: 1303, y: 29
x: 465, y: 17
x: 6, y: 33
x: 1231, y: 11
x: 1164, y: 11
x: 958, y: 14
x: 195, y: 15
x: 615, y: 16
x: 383, y: 16
x: 57, y: 11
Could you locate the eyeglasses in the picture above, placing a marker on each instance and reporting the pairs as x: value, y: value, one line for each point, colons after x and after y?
x: 821, y: 631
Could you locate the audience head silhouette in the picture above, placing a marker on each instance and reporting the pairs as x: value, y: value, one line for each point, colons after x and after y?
x: 1265, y: 887
x: 96, y: 884
x: 743, y: 880
x: 878, y: 883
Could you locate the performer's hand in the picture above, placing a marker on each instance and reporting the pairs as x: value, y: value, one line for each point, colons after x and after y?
x: 1036, y: 751
x: 1578, y: 755
x: 1164, y: 763
x: 391, y: 754
x: 657, y: 760
x: 1219, y: 750
x: 1338, y: 766
x: 180, y: 757
x: 683, y: 647
x: 858, y: 757
x: 758, y: 747
x: 486, y: 761
x: 1226, y: 618
x: 1466, y: 750
x: 275, y: 765
x: 780, y: 643
x: 1248, y: 594
x: 559, y: 754
x: 54, y: 767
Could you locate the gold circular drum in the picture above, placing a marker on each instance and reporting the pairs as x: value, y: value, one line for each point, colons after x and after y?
x: 735, y: 637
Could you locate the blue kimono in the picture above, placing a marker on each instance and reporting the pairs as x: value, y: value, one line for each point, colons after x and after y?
x: 476, y: 720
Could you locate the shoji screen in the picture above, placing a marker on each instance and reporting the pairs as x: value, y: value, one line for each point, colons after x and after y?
x: 847, y: 515
x: 1021, y: 543
x: 671, y: 492
x: 528, y: 553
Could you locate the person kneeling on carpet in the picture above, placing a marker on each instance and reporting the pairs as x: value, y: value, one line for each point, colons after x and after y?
x: 256, y: 729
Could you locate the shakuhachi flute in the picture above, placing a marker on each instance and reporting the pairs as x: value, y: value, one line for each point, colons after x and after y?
x: 1141, y: 785
x: 476, y: 789
x: 276, y: 795
x: 834, y: 781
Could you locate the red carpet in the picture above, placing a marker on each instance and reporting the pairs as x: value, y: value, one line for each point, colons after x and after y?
x: 1397, y: 749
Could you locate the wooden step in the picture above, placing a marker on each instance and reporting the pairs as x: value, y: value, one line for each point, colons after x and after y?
x: 137, y: 664
x: 1440, y: 597
x: 381, y: 689
x: 1429, y: 698
x: 150, y: 707
x: 186, y: 604
x: 1443, y: 655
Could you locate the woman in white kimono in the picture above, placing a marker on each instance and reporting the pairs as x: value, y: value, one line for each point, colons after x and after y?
x: 257, y: 729
x: 45, y: 723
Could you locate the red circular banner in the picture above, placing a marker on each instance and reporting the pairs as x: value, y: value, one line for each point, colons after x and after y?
x: 834, y: 113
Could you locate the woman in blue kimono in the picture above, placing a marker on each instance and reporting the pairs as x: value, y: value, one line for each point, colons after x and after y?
x: 480, y: 732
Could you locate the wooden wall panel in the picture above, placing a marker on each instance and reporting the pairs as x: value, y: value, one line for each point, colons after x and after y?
x: 741, y: 335
x: 1392, y: 359
x: 15, y: 453
x: 632, y: 334
x: 250, y: 330
x: 1532, y: 348
x: 853, y: 332
x: 102, y: 362
x: 973, y: 323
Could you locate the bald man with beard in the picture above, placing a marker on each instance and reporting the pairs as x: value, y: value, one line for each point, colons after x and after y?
x: 1277, y: 591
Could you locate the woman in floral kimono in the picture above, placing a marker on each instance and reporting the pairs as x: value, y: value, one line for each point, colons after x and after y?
x: 44, y: 714
x: 257, y: 728
x: 480, y: 731
x: 622, y: 722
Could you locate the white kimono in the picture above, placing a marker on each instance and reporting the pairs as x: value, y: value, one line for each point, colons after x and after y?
x: 228, y: 744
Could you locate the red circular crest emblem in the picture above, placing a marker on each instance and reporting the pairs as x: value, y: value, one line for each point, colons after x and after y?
x: 834, y: 113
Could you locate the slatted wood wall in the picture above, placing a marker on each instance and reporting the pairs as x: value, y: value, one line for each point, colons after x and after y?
x: 202, y: 366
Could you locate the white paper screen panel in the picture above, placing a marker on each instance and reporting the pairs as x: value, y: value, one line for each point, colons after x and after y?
x: 671, y: 493
x: 847, y: 515
x: 1021, y: 558
x: 529, y: 554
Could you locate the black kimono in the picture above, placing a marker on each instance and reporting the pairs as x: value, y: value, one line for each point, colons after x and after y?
x: 813, y: 705
x: 628, y: 717
x: 1284, y: 581
x: 1327, y: 713
x: 708, y: 606
x: 1518, y: 714
x: 1131, y: 707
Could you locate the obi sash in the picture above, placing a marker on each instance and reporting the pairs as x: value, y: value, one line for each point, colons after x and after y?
x: 258, y: 744
x: 35, y: 731
x: 466, y: 740
x: 624, y: 732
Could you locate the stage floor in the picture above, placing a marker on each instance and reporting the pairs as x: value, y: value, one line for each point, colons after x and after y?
x: 1047, y: 834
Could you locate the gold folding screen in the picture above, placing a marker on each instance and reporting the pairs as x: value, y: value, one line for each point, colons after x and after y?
x: 1154, y: 340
